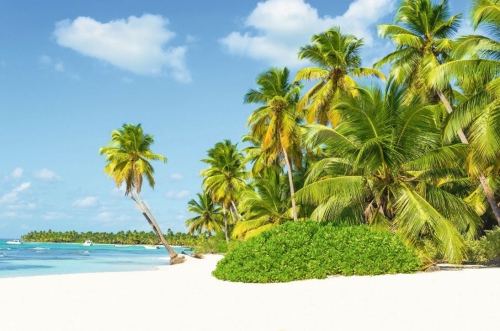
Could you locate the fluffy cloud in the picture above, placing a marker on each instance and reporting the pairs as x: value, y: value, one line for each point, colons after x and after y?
x: 28, y: 206
x: 85, y: 202
x: 136, y: 44
x: 46, y: 174
x: 53, y: 215
x: 12, y: 196
x: 17, y: 173
x: 279, y: 27
x: 178, y: 194
x: 46, y: 61
x: 176, y: 176
x: 104, y: 216
x: 361, y: 17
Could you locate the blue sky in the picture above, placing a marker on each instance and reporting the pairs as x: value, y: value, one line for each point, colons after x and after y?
x: 69, y: 74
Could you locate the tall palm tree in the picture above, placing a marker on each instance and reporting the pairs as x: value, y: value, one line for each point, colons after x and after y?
x: 275, y: 123
x: 476, y: 69
x: 225, y: 178
x: 128, y: 157
x: 421, y: 33
x: 386, y: 166
x: 264, y: 206
x: 338, y: 61
x: 208, y: 219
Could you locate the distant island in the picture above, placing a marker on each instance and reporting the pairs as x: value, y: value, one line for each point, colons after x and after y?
x: 121, y: 237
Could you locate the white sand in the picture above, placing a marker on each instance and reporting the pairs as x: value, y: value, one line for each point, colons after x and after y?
x: 186, y: 297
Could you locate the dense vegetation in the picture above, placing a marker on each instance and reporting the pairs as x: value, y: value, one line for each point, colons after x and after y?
x: 127, y: 238
x: 416, y: 154
x: 304, y: 250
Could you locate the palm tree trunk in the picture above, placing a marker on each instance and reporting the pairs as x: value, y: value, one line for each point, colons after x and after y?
x: 235, y: 210
x: 490, y: 195
x: 226, y: 228
x: 174, y: 256
x: 290, y: 180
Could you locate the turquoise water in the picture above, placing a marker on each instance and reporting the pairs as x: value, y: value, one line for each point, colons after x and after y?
x: 32, y: 259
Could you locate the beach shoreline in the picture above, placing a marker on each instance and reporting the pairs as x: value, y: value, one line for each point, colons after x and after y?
x: 187, y: 297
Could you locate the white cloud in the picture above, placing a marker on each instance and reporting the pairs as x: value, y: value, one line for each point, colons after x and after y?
x: 104, y: 216
x: 176, y: 176
x: 136, y: 44
x: 280, y: 27
x: 28, y: 206
x: 12, y: 196
x: 53, y: 215
x: 85, y: 202
x: 118, y: 191
x: 17, y: 173
x: 361, y: 17
x: 178, y: 194
x: 46, y: 174
x: 47, y: 62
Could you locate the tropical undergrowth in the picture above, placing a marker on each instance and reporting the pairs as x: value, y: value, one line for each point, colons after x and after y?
x: 306, y: 250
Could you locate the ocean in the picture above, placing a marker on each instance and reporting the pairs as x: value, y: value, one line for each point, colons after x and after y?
x: 32, y: 259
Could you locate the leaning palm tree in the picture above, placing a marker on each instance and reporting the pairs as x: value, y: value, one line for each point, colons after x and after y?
x: 275, y: 123
x: 225, y: 178
x: 127, y: 156
x: 421, y: 33
x: 337, y: 61
x: 209, y: 215
x: 386, y: 166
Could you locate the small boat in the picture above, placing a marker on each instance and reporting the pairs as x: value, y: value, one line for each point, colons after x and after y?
x: 88, y: 243
x: 151, y: 247
x: 14, y: 242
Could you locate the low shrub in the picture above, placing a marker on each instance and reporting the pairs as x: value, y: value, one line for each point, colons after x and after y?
x: 214, y: 245
x: 484, y: 249
x: 304, y: 250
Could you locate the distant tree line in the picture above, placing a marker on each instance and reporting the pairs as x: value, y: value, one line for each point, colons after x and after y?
x: 121, y: 237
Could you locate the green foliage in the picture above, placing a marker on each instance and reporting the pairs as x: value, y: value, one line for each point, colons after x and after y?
x: 214, y: 244
x: 486, y: 248
x: 121, y: 237
x: 305, y: 250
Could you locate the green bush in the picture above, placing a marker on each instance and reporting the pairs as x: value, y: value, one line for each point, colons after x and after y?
x: 486, y: 248
x: 304, y: 250
x: 214, y: 245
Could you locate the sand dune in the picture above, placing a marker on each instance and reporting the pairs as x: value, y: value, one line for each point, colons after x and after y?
x: 186, y: 297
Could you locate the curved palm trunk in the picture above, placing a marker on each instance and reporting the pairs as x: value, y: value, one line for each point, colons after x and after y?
x: 490, y: 196
x: 175, y: 258
x: 290, y: 180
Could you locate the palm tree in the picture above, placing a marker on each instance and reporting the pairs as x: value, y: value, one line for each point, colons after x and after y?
x: 476, y: 69
x: 421, y: 33
x: 208, y: 219
x: 225, y: 178
x: 275, y: 123
x: 385, y: 165
x: 127, y: 156
x: 265, y: 205
x: 337, y: 58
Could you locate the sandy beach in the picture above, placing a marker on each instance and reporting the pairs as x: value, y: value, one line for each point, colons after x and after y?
x: 186, y: 297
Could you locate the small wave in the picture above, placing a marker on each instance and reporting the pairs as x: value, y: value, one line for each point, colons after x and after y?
x: 85, y: 253
x: 40, y: 249
x: 2, y: 255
